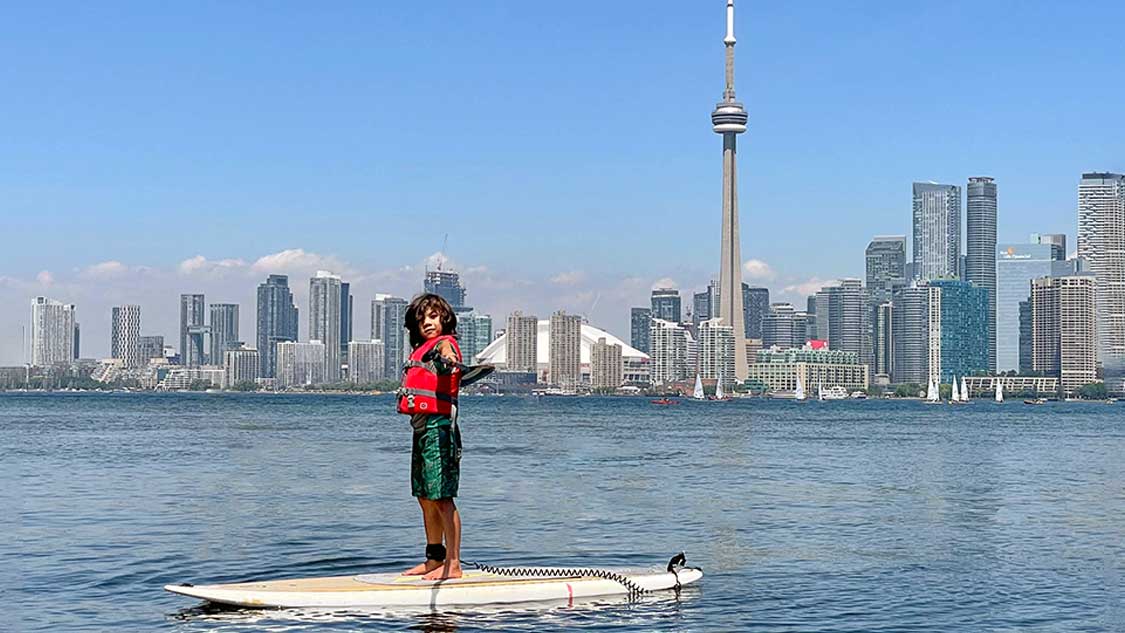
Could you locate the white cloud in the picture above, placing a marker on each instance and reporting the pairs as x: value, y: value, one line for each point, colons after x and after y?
x: 45, y: 277
x: 757, y: 269
x: 569, y: 278
x: 104, y: 270
x: 439, y: 260
x: 298, y: 260
x: 200, y: 264
x: 665, y: 282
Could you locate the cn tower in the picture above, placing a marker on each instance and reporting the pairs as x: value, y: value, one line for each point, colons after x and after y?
x: 729, y: 119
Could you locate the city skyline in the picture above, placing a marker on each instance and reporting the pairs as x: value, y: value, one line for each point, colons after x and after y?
x: 112, y: 267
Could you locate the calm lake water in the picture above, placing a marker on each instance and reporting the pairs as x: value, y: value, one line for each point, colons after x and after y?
x: 844, y: 516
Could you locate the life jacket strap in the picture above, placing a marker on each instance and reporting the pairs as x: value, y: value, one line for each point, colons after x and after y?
x: 405, y: 392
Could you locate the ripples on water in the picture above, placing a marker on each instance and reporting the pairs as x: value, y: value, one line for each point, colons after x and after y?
x: 846, y: 516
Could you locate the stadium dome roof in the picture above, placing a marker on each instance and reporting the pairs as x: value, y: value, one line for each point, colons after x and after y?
x: 497, y: 351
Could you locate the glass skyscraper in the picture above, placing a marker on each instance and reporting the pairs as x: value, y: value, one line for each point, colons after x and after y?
x: 1016, y: 266
x: 277, y: 321
x: 640, y: 320
x: 937, y: 231
x: 964, y: 329
x: 755, y: 307
x: 980, y: 257
x: 666, y: 305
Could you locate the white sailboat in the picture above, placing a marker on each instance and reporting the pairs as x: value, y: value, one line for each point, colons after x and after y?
x: 954, y: 395
x: 999, y: 391
x: 964, y: 391
x: 719, y: 395
x: 932, y: 393
x: 820, y: 392
x: 697, y: 394
x: 799, y: 392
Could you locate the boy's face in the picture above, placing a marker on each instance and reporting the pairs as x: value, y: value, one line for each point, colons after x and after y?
x: 431, y: 325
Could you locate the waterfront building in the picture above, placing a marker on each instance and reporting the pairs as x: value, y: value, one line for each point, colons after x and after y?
x: 640, y: 321
x: 241, y: 365
x: 301, y: 364
x: 883, y: 346
x: 1057, y: 242
x: 980, y: 256
x: 125, y: 336
x: 937, y: 231
x: 777, y: 370
x: 666, y: 304
x: 885, y: 259
x: 522, y: 343
x: 755, y: 307
x: 53, y: 332
x: 1027, y: 332
x: 636, y: 363
x: 447, y: 285
x: 963, y: 329
x: 1016, y: 265
x: 388, y: 324
x: 784, y: 327
x: 1101, y: 243
x: 729, y: 119
x: 811, y: 323
x: 716, y: 352
x: 151, y: 347
x: 1013, y: 386
x: 700, y: 307
x: 277, y: 321
x: 181, y: 378
x: 324, y: 319
x: 605, y: 365
x: 224, y: 330
x: 475, y: 331
x: 347, y: 317
x: 77, y: 341
x: 669, y: 352
x: 910, y: 330
x: 192, y: 314
x: 365, y: 362
x: 847, y: 318
x: 1064, y: 329
x: 565, y: 356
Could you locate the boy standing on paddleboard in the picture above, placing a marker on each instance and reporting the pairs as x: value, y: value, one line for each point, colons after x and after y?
x: 428, y: 395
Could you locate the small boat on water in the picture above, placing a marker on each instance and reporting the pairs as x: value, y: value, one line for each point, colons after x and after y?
x: 697, y: 393
x: 859, y: 395
x: 664, y: 401
x: 799, y: 392
x: 932, y: 393
x: 999, y: 392
x: 1035, y: 401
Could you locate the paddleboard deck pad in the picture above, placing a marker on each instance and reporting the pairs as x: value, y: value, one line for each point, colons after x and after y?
x: 475, y: 587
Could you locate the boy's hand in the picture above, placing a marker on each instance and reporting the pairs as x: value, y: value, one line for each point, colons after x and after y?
x: 447, y: 352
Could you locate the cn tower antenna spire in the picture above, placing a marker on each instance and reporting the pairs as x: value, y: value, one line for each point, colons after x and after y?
x: 729, y: 41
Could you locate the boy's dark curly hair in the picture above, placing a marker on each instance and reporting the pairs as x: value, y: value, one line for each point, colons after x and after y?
x: 416, y: 313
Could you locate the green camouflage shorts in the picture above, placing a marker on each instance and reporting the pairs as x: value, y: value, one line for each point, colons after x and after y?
x: 435, y: 463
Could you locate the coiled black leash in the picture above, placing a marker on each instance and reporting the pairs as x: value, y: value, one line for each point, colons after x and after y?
x: 674, y: 566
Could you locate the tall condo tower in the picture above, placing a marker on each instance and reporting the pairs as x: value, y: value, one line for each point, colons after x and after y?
x: 324, y: 319
x: 729, y: 119
x: 980, y: 262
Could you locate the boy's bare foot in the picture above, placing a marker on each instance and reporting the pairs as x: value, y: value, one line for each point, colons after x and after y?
x: 448, y: 569
x: 422, y: 568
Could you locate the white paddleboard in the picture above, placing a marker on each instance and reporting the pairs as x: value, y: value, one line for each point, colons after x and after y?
x: 391, y: 589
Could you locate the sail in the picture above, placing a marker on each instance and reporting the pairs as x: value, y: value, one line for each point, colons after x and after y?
x: 698, y: 392
x: 954, y: 395
x: 820, y: 391
x: 799, y: 392
x: 932, y: 391
x: 719, y: 390
x: 964, y: 390
x: 999, y: 391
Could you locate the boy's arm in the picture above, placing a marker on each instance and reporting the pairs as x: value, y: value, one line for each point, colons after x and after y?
x: 447, y: 352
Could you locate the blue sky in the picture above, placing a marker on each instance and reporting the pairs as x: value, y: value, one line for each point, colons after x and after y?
x: 565, y: 147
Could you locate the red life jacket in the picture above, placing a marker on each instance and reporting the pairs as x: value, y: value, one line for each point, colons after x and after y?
x: 423, y: 389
